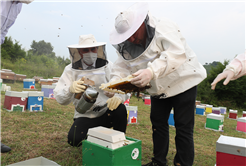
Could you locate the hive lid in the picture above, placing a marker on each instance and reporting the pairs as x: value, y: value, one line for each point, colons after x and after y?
x: 28, y: 80
x: 233, y: 111
x: 244, y: 112
x: 216, y: 108
x: 231, y: 145
x: 45, y: 86
x: 242, y: 119
x: 16, y: 94
x: 34, y: 93
x: 209, y: 105
x: 107, y: 134
x: 215, y: 116
x: 132, y: 108
x: 200, y: 106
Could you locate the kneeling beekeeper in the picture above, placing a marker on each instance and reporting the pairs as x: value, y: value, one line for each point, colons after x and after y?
x: 88, y: 60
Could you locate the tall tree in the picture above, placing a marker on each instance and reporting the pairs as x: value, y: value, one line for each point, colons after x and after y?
x: 42, y: 48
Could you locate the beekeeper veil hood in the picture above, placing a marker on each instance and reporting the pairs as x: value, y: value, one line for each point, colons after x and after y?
x: 126, y: 24
x: 87, y: 51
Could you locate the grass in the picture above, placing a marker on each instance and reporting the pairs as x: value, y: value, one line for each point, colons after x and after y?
x: 44, y: 134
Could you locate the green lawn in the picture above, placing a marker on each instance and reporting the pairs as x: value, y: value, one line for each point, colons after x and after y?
x: 44, y: 134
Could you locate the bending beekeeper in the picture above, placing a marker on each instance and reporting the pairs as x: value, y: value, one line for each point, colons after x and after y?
x: 155, y: 52
x: 234, y: 70
x: 88, y: 59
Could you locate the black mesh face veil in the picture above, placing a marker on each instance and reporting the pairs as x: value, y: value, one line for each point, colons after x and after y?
x: 130, y: 50
x: 76, y: 58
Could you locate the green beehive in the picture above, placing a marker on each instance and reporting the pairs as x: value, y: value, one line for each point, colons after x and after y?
x: 215, y: 122
x: 94, y: 154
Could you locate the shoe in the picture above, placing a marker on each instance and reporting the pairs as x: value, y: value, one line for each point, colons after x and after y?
x: 5, y: 148
x: 152, y: 163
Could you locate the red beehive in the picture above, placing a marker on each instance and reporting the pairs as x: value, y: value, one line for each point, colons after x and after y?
x: 233, y: 114
x: 15, y: 101
x: 230, y: 151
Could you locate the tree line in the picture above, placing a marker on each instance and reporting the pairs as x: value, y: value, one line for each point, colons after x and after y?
x: 40, y: 60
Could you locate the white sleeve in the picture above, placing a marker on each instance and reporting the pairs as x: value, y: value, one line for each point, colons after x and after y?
x: 61, y: 91
x: 173, y: 56
x: 238, y: 66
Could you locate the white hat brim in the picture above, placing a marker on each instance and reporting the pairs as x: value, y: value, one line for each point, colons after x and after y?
x: 87, y: 46
x: 141, y: 11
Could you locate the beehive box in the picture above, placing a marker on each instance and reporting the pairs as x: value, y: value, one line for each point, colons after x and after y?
x: 200, y: 110
x: 55, y: 79
x: 29, y: 83
x: 147, y: 100
x: 230, y: 151
x: 35, y: 100
x: 46, y: 81
x: 20, y: 77
x: 214, y: 122
x: 8, y: 75
x: 198, y: 102
x: 171, y: 118
x: 38, y: 161
x: 95, y: 154
x: 51, y: 90
x: 216, y: 110
x: 45, y: 89
x: 232, y: 114
x: 3, y: 87
x: 37, y: 78
x: 241, y: 125
x: 222, y: 110
x: 132, y: 114
x: 106, y: 137
x: 127, y: 102
x: 244, y: 113
x: 15, y: 101
x: 209, y: 108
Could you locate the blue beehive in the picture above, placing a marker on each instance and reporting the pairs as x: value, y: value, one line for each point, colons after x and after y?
x: 29, y: 83
x: 171, y: 119
x: 200, y: 110
x: 35, y: 101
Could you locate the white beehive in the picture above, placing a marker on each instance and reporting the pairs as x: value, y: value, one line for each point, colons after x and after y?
x: 106, y: 137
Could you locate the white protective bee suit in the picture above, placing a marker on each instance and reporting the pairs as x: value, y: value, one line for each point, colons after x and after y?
x: 98, y: 75
x: 91, y: 64
x: 175, y: 66
x: 175, y: 73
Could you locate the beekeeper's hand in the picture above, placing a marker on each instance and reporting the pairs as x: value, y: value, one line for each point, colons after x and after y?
x: 113, y: 103
x: 26, y: 1
x: 142, y: 77
x: 227, y: 74
x: 108, y: 94
x: 77, y: 87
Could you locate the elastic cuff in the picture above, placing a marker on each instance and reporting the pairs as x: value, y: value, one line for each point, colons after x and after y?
x: 151, y: 72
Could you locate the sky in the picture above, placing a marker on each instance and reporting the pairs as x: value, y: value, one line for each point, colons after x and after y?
x: 215, y: 30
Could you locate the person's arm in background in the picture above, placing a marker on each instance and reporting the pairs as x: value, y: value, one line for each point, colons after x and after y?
x: 234, y: 70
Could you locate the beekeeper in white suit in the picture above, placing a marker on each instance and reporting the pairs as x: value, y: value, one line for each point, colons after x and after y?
x: 155, y: 52
x: 10, y: 9
x: 89, y: 60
